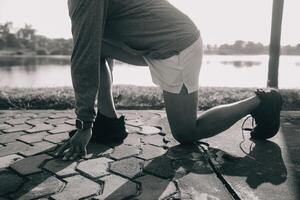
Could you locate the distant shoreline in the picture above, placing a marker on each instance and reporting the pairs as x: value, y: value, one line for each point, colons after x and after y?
x: 130, y: 97
x: 29, y: 53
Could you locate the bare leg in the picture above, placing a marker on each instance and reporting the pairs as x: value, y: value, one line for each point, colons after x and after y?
x: 106, y: 104
x: 182, y: 116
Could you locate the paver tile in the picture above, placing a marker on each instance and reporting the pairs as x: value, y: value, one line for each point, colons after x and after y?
x: 129, y: 167
x: 39, y: 185
x: 202, y: 186
x: 70, y: 121
x: 12, y: 148
x: 149, y: 130
x: 161, y: 166
x: 134, y: 122
x: 17, y: 121
x: 30, y: 165
x: 61, y: 115
x: 124, y: 151
x: 62, y: 128
x: 156, y: 140
x: 6, y: 161
x: 4, y: 126
x: 116, y: 187
x: 78, y: 187
x: 11, y: 137
x: 33, y: 138
x: 160, y: 190
x: 57, y: 138
x: 61, y: 168
x: 12, y: 185
x: 57, y: 121
x: 37, y: 148
x: 150, y: 152
x: 95, y: 150
x: 133, y: 139
x: 16, y: 128
x: 40, y: 128
x: 36, y: 121
x: 94, y: 168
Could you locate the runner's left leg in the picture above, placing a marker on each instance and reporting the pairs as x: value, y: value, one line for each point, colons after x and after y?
x: 105, y: 98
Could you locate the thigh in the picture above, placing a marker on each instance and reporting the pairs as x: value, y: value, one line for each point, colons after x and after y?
x: 112, y: 50
x: 182, y: 113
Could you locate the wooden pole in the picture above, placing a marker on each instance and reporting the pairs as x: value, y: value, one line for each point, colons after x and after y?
x: 274, y: 50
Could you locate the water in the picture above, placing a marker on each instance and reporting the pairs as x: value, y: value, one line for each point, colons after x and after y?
x: 228, y: 71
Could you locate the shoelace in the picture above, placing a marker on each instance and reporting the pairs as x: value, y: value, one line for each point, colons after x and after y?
x: 243, y: 135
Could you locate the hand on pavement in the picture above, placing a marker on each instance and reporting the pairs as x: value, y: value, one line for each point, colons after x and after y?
x: 76, y: 146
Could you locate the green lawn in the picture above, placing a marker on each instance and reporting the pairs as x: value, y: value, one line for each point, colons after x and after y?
x: 129, y: 97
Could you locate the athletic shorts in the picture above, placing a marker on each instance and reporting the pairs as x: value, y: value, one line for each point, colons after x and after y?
x: 182, y: 69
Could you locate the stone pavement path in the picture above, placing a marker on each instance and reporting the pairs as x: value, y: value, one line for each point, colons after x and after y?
x: 150, y: 164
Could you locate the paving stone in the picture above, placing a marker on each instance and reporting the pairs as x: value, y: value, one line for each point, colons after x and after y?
x: 95, y: 150
x: 156, y: 140
x: 94, y: 168
x: 39, y: 185
x: 132, y: 129
x: 149, y: 130
x: 16, y: 128
x: 36, y: 121
x: 70, y: 121
x: 129, y: 167
x: 40, y: 128
x: 17, y: 121
x: 124, y: 151
x: 11, y: 137
x: 25, y: 115
x: 150, y: 152
x: 184, y: 152
x: 30, y: 165
x: 160, y: 190
x: 61, y: 168
x: 116, y: 187
x: 57, y: 138
x: 37, y: 148
x: 61, y: 115
x: 134, y: 122
x: 202, y: 186
x: 9, y: 186
x: 78, y: 187
x: 62, y: 128
x: 57, y: 121
x: 34, y: 137
x: 44, y: 114
x: 161, y: 167
x: 12, y: 148
x: 4, y: 126
x: 6, y: 161
x: 133, y: 139
x: 170, y: 140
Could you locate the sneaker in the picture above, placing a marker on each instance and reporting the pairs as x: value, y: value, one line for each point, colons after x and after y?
x: 107, y: 130
x: 267, y: 114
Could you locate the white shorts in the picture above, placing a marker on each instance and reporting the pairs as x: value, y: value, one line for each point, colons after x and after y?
x: 182, y: 69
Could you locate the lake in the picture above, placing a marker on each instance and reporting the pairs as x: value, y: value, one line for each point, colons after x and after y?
x: 217, y: 70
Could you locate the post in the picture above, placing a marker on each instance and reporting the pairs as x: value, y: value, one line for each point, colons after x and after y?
x: 274, y: 50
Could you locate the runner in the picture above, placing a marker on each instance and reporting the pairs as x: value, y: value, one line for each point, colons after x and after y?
x: 156, y: 34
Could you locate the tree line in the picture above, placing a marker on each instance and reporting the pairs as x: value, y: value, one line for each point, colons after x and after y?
x: 25, y: 39
x: 248, y: 48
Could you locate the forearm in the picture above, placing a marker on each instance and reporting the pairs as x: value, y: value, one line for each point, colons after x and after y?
x: 87, y: 22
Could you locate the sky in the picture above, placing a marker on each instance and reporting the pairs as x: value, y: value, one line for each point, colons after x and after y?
x: 220, y: 21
